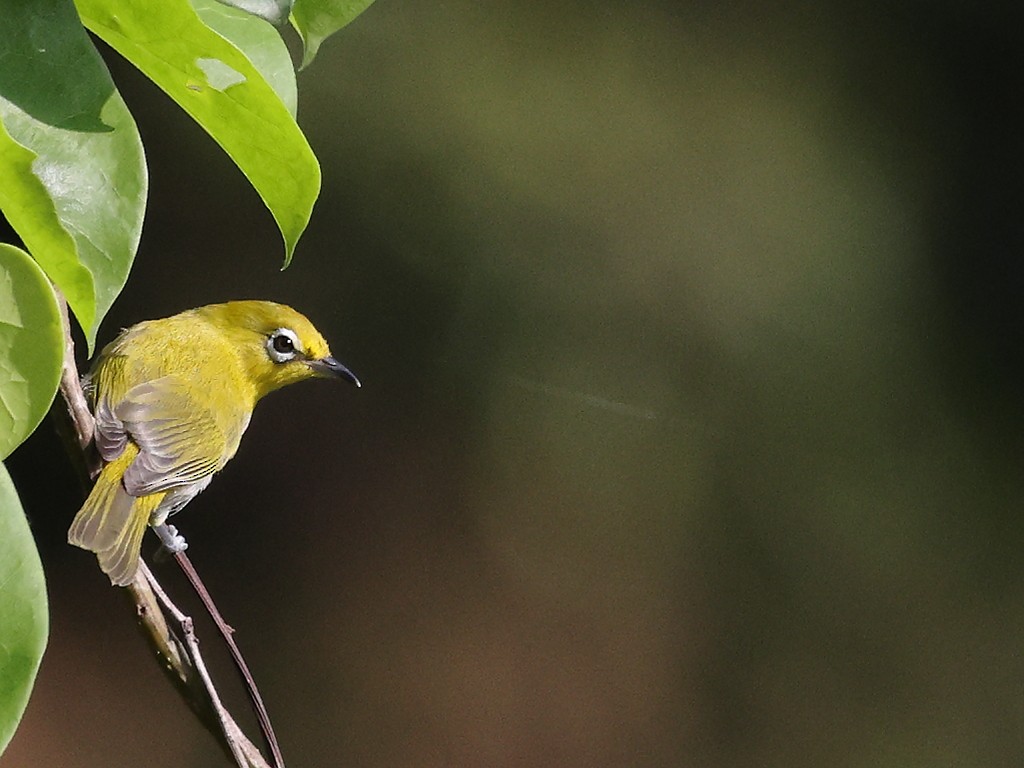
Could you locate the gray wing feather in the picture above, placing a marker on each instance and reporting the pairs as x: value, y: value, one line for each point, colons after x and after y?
x: 179, y: 442
x: 110, y: 433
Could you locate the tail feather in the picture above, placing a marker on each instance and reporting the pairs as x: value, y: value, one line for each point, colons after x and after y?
x: 104, y: 513
x: 111, y: 523
x: 120, y: 561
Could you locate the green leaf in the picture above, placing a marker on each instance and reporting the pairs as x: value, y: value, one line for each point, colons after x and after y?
x: 29, y: 209
x: 25, y: 622
x: 274, y: 11
x: 31, y: 347
x: 74, y: 177
x: 259, y: 41
x: 316, y: 20
x: 171, y: 45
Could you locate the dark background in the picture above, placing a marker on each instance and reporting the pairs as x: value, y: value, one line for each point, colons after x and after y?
x: 691, y: 428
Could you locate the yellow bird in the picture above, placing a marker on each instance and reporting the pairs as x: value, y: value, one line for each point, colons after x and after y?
x: 172, y: 398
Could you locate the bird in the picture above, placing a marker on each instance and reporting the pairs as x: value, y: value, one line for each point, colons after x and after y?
x: 171, y: 399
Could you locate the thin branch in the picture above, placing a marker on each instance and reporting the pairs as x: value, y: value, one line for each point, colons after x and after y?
x: 191, y: 648
x: 176, y: 647
x: 75, y: 422
x: 71, y: 387
x: 227, y: 633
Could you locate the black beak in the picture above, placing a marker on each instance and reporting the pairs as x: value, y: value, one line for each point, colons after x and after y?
x: 330, y: 368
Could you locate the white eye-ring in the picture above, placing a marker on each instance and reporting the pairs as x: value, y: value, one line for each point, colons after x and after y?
x: 283, y: 345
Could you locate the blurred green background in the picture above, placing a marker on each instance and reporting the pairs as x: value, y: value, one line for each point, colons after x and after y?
x: 691, y: 432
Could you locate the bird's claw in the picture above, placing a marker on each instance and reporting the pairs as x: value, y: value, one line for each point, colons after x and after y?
x: 172, y: 541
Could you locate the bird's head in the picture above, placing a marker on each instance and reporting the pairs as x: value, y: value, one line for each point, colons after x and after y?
x: 277, y: 345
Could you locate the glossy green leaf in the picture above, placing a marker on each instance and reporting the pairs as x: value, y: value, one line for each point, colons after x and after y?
x: 316, y: 20
x: 171, y: 45
x: 31, y: 347
x: 274, y: 11
x: 74, y: 176
x: 259, y: 41
x: 25, y: 622
x: 29, y: 208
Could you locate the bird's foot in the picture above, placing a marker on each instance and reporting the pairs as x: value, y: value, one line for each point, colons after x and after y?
x: 172, y: 541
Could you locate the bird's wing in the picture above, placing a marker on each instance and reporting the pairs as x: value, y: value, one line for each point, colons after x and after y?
x: 180, y: 440
x: 110, y: 434
x: 107, y: 376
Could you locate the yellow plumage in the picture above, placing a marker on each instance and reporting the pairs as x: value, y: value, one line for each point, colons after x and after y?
x: 172, y: 398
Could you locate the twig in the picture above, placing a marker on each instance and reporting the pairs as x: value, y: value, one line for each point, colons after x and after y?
x: 228, y: 635
x: 187, y: 632
x: 76, y: 424
x: 71, y: 386
x: 177, y: 648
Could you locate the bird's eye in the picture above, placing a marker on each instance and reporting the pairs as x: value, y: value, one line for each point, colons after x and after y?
x: 282, y: 345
